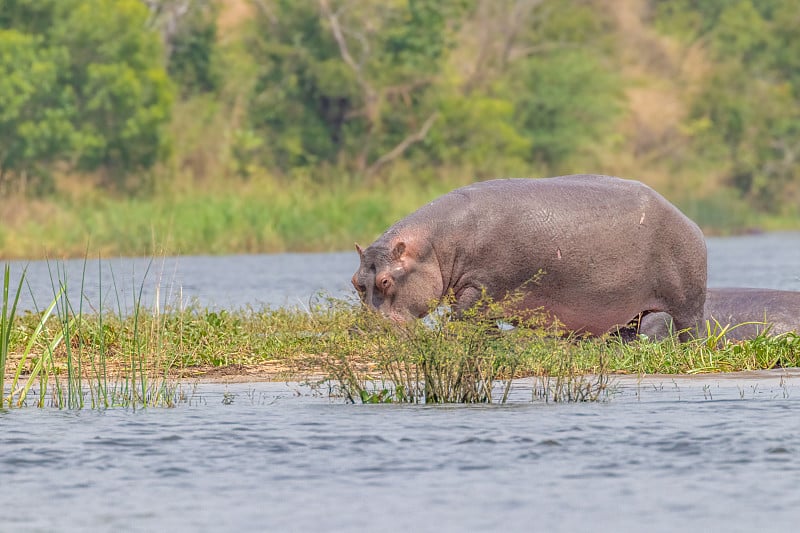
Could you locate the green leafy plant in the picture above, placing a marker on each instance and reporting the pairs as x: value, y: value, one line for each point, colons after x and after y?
x: 469, y: 359
x: 6, y: 323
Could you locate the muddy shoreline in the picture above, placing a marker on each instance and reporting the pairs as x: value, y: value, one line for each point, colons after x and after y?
x: 276, y: 372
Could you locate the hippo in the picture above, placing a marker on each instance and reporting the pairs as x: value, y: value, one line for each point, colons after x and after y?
x: 589, y: 251
x: 759, y: 310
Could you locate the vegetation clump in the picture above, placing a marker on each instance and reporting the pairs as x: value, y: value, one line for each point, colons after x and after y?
x: 70, y: 358
x: 472, y: 359
x: 239, y: 126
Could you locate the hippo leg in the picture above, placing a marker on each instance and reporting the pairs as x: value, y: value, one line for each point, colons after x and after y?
x: 656, y: 326
x: 686, y: 321
x: 466, y: 300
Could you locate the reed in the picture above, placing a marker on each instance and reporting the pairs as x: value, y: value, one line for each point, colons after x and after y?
x: 66, y: 353
x: 262, y: 215
x: 6, y: 323
x: 473, y: 359
x: 268, y: 214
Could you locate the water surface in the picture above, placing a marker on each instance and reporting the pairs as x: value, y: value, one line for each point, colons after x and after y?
x: 769, y: 260
x: 718, y: 453
x: 666, y: 454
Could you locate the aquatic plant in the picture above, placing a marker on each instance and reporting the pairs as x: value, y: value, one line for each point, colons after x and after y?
x: 66, y: 353
x: 711, y: 353
x: 82, y: 355
x: 6, y: 323
x: 473, y: 359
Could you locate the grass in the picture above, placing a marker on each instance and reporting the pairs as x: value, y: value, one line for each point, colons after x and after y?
x: 261, y: 215
x: 63, y: 354
x: 68, y: 357
x: 257, y: 216
x: 6, y: 322
x: 443, y: 360
x: 474, y: 361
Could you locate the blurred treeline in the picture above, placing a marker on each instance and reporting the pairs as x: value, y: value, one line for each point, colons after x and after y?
x: 699, y: 98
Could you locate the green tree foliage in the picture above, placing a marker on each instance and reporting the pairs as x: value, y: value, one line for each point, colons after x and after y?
x: 751, y: 102
x: 36, y: 115
x: 188, y: 30
x: 347, y: 83
x: 361, y: 84
x: 122, y: 89
x: 392, y: 89
x: 91, y: 88
x: 565, y: 101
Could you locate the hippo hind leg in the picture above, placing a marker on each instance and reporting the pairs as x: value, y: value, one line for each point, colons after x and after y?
x: 687, y: 320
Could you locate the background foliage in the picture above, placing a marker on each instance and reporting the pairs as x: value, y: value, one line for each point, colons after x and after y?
x: 89, y: 86
x: 162, y: 99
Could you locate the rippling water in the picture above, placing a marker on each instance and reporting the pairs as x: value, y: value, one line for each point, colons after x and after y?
x: 708, y: 454
x: 770, y: 260
x: 695, y: 454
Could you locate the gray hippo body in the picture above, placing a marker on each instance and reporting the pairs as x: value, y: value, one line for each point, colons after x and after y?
x: 608, y: 248
x: 758, y: 310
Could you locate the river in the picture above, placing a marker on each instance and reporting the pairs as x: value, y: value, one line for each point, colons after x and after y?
x: 770, y: 260
x: 710, y: 453
x: 716, y: 453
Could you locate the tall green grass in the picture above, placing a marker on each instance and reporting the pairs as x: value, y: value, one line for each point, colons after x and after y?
x: 6, y: 323
x: 472, y: 361
x: 263, y: 215
x: 63, y: 350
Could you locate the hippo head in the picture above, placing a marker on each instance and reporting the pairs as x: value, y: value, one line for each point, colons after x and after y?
x: 398, y: 277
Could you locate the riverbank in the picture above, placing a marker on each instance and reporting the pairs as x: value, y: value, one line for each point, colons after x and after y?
x: 115, y: 360
x: 262, y: 216
x: 258, y: 216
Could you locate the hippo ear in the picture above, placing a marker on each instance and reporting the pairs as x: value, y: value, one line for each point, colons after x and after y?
x: 360, y: 251
x: 398, y: 251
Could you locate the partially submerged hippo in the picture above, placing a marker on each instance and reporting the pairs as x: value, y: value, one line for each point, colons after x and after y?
x: 758, y: 310
x: 608, y: 249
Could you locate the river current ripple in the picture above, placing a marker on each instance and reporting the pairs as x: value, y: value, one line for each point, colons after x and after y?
x: 707, y: 454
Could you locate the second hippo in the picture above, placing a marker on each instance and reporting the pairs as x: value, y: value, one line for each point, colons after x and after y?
x: 747, y: 312
x: 591, y: 251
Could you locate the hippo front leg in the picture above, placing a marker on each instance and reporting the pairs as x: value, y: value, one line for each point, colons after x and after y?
x: 466, y: 299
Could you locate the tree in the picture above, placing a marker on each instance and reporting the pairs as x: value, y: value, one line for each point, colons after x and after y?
x: 566, y: 100
x: 544, y: 60
x: 90, y: 88
x: 36, y: 113
x: 751, y: 100
x: 348, y: 83
x: 188, y: 31
x: 123, y: 92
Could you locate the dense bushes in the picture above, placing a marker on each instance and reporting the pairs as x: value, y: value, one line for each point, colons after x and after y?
x: 750, y: 106
x: 417, y: 90
x: 83, y: 84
